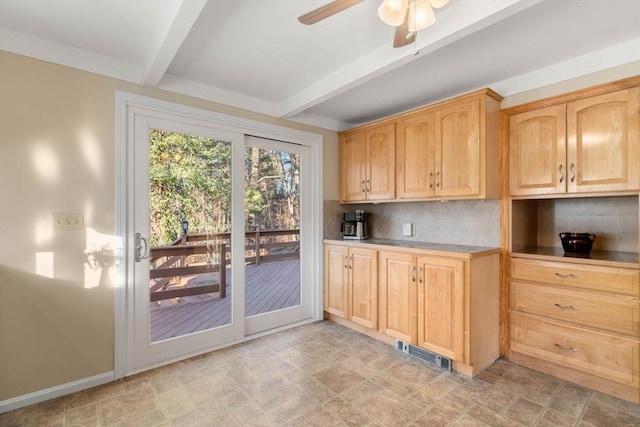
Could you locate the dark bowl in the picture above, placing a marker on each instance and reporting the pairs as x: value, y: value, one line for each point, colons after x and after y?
x: 577, y: 243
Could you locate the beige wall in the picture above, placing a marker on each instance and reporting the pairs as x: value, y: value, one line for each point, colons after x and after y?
x: 57, y: 148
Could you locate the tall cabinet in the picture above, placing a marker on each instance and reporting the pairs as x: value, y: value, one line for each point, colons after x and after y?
x: 574, y: 161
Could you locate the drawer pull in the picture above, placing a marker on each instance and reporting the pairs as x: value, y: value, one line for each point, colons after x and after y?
x: 566, y: 306
x: 564, y: 276
x: 565, y: 347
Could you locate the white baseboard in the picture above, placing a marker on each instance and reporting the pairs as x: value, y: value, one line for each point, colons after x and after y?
x: 57, y: 391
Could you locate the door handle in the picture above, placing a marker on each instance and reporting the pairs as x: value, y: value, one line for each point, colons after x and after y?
x: 142, y: 248
x: 569, y: 275
x: 565, y: 347
x: 564, y: 307
x: 430, y: 179
x: 561, y: 175
x: 413, y: 273
x: 573, y: 172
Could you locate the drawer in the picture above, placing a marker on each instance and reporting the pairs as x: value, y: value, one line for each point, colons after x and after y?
x: 606, y: 279
x: 605, y: 356
x: 615, y: 314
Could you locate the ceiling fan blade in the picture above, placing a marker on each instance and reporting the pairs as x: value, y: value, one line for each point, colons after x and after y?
x: 326, y: 11
x: 403, y: 36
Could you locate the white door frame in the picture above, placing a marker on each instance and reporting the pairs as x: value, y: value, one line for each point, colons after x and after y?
x: 127, y: 105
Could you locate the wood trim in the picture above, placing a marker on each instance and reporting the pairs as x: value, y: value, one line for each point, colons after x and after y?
x: 505, y: 234
x: 572, y: 96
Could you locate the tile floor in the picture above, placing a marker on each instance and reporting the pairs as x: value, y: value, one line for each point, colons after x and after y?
x: 323, y: 374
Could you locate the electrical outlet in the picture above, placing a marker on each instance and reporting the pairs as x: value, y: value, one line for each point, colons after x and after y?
x: 407, y: 229
x: 67, y: 221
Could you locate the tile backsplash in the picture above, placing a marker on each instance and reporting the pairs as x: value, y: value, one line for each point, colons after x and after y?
x: 470, y: 222
x: 614, y: 220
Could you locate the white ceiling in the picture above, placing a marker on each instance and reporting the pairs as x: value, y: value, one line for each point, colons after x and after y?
x: 340, y: 72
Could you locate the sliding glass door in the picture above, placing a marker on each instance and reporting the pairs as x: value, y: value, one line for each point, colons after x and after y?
x: 221, y: 249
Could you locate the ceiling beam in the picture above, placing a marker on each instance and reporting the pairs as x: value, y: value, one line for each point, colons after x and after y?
x: 458, y: 20
x: 186, y: 15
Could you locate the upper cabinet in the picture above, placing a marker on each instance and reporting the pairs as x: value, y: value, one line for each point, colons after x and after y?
x: 538, y: 151
x: 367, y: 164
x: 589, y: 145
x: 448, y: 150
x: 416, y: 156
x: 603, y: 142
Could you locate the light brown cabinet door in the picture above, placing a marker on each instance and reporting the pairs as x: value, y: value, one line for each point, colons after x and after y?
x: 416, y: 156
x: 603, y: 140
x: 380, y: 180
x: 353, y: 166
x: 458, y: 157
x: 336, y: 280
x: 537, y: 152
x: 398, y: 293
x: 441, y: 306
x: 363, y: 266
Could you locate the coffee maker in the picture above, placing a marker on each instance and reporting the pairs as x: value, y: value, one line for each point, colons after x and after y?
x: 355, y: 225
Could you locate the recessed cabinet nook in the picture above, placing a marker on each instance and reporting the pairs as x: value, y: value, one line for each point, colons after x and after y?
x: 575, y: 159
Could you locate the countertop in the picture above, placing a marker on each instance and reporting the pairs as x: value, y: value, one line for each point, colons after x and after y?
x: 423, y: 246
x: 622, y: 259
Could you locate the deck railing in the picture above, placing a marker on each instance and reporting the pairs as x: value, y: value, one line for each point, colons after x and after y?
x: 193, y: 254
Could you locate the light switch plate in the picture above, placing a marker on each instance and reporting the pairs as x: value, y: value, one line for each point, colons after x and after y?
x: 407, y: 229
x: 67, y: 221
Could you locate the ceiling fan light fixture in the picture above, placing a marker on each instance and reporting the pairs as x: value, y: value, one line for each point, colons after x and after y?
x: 420, y: 15
x: 438, y: 3
x: 392, y: 12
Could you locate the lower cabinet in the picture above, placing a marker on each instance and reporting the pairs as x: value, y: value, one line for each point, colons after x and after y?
x: 351, y: 284
x: 579, y: 322
x: 441, y: 306
x: 398, y: 296
x: 421, y: 301
x: 446, y: 303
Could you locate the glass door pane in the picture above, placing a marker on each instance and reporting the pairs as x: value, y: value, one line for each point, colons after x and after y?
x: 189, y: 234
x: 272, y: 225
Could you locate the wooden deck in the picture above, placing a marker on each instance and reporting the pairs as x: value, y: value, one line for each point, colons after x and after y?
x: 269, y: 286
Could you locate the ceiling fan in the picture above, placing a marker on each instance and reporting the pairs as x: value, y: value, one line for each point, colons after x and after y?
x: 407, y: 16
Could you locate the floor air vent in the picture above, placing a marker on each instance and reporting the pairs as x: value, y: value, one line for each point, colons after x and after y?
x: 421, y: 353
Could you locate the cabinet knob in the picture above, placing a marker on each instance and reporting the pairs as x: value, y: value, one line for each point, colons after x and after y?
x: 430, y: 179
x: 438, y: 179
